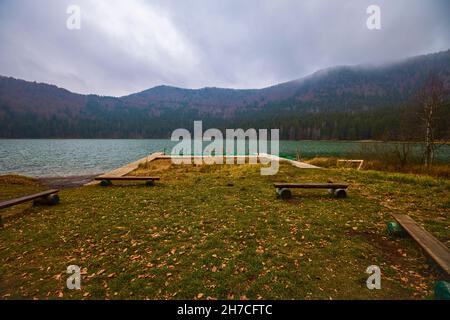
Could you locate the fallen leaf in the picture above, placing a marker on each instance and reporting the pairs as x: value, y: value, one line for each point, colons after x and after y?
x: 101, y: 272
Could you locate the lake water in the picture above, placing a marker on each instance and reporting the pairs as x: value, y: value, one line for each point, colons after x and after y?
x: 53, y: 157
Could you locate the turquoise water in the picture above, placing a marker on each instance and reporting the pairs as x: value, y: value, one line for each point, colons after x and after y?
x: 52, y: 157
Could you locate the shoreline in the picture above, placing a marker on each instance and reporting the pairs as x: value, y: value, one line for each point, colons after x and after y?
x: 301, y: 140
x: 66, y: 182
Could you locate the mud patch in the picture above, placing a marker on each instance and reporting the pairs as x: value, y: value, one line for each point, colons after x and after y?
x: 66, y: 182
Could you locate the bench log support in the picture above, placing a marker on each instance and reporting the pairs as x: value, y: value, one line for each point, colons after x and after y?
x: 284, y: 193
x: 340, y: 193
x: 50, y: 200
x: 105, y: 183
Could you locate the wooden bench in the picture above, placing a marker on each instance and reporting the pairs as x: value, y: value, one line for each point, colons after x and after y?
x: 284, y: 192
x: 107, y: 180
x: 432, y: 246
x: 49, y: 197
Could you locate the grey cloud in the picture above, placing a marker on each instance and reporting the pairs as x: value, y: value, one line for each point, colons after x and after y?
x: 124, y: 47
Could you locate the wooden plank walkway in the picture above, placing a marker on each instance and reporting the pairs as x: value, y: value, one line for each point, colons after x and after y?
x: 259, y: 158
x: 122, y: 171
x: 432, y: 246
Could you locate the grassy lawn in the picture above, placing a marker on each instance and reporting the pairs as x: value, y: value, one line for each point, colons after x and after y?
x: 219, y: 232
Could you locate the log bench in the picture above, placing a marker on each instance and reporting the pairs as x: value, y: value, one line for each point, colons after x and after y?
x: 49, y: 197
x: 107, y: 180
x: 432, y: 246
x: 284, y: 192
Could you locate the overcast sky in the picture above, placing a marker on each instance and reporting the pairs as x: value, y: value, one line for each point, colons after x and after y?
x: 128, y: 46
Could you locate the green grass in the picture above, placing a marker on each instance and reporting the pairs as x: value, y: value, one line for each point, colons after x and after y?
x: 219, y: 232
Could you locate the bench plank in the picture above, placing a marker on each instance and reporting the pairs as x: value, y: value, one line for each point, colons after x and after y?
x: 13, y: 202
x: 127, y: 178
x: 432, y: 246
x: 311, y: 185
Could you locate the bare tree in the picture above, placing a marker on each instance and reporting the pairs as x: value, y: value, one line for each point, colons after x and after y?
x: 431, y: 98
x: 406, y: 133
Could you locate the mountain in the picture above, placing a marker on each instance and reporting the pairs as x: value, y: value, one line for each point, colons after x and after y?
x: 347, y: 102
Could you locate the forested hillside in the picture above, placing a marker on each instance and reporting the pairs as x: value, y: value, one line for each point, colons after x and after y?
x: 358, y: 102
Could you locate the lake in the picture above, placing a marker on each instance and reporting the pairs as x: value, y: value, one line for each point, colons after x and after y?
x: 67, y: 157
